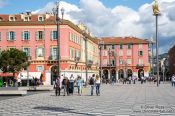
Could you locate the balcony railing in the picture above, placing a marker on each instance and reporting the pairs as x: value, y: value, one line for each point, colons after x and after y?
x: 138, y: 66
x: 89, y: 63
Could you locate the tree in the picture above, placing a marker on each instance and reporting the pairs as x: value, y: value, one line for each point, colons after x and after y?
x: 13, y: 60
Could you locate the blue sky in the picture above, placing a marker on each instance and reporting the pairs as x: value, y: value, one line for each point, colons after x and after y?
x: 18, y: 6
x: 119, y: 18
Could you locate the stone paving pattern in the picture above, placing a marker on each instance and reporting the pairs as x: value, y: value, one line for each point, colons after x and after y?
x: 115, y: 100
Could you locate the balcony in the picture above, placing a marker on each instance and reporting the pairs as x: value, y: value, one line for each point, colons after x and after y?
x: 89, y: 63
x: 139, y: 66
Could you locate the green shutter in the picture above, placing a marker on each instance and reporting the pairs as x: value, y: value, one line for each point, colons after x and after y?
x: 43, y: 35
x: 42, y: 52
x: 14, y: 35
x: 51, y: 35
x: 22, y: 35
x: 29, y: 35
x: 36, y: 51
x: 8, y: 36
x: 37, y: 35
x: 50, y: 53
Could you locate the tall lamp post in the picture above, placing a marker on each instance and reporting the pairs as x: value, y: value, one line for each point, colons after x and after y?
x: 110, y: 64
x: 100, y: 47
x: 156, y: 12
x: 58, y: 22
x: 152, y: 56
x: 86, y: 63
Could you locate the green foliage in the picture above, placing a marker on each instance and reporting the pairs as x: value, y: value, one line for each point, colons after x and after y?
x: 13, y: 60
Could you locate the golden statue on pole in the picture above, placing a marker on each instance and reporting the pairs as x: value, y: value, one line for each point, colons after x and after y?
x: 156, y: 9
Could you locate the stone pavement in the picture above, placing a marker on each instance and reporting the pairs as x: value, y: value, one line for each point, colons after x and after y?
x: 115, y: 100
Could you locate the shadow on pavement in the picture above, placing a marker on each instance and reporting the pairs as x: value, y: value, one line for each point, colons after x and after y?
x: 61, y: 109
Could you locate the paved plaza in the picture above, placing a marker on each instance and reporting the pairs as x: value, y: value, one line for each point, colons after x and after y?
x: 115, y: 100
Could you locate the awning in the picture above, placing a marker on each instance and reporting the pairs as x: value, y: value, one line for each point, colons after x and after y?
x: 23, y: 75
x: 6, y: 74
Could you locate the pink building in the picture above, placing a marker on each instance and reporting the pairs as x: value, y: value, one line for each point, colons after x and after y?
x: 124, y: 57
x: 37, y: 36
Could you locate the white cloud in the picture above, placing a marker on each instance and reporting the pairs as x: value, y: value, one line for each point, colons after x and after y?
x: 2, y: 3
x: 121, y: 20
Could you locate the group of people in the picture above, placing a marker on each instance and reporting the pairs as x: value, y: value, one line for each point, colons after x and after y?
x: 67, y: 84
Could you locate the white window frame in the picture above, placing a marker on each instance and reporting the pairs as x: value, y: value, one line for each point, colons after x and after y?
x: 28, y: 50
x: 40, y: 68
x: 129, y: 52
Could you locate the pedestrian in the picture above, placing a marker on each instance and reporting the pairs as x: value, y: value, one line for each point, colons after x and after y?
x: 92, y: 83
x: 79, y: 85
x: 97, y: 83
x: 58, y: 86
x: 173, y: 80
x: 130, y: 78
x: 134, y: 79
x: 71, y: 82
x: 113, y: 80
x: 142, y: 79
x: 65, y: 84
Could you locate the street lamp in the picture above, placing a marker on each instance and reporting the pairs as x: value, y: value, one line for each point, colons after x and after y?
x: 58, y: 22
x: 152, y: 43
x: 85, y: 36
x: 101, y: 43
x: 156, y: 12
x: 110, y: 64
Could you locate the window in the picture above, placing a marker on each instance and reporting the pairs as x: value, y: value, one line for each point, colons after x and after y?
x: 25, y: 35
x: 120, y: 46
x: 11, y: 18
x: 105, y: 61
x: 140, y: 62
x: 39, y: 52
x: 1, y: 19
x: 11, y: 35
x: 26, y: 18
x: 140, y: 46
x: 129, y: 46
x: 78, y: 54
x: 40, y: 18
x: 113, y: 46
x: 27, y: 51
x: 54, y: 35
x: 71, y: 53
x: 40, y: 68
x: 120, y: 61
x: 140, y: 53
x: 128, y: 61
x: 113, y: 63
x: 105, y: 53
x: 104, y: 47
x: 39, y: 35
x: 54, y: 53
x: 129, y: 53
x: 120, y: 53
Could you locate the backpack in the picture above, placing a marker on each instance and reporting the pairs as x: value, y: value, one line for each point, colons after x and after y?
x: 91, y: 81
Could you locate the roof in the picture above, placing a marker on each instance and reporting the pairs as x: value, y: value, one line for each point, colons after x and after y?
x: 49, y: 20
x: 122, y: 40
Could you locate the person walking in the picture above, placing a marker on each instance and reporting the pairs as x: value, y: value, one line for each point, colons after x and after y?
x: 173, y: 80
x: 79, y: 85
x: 97, y: 83
x: 92, y: 83
x: 71, y: 82
x: 58, y: 86
x: 65, y: 84
x: 142, y: 79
